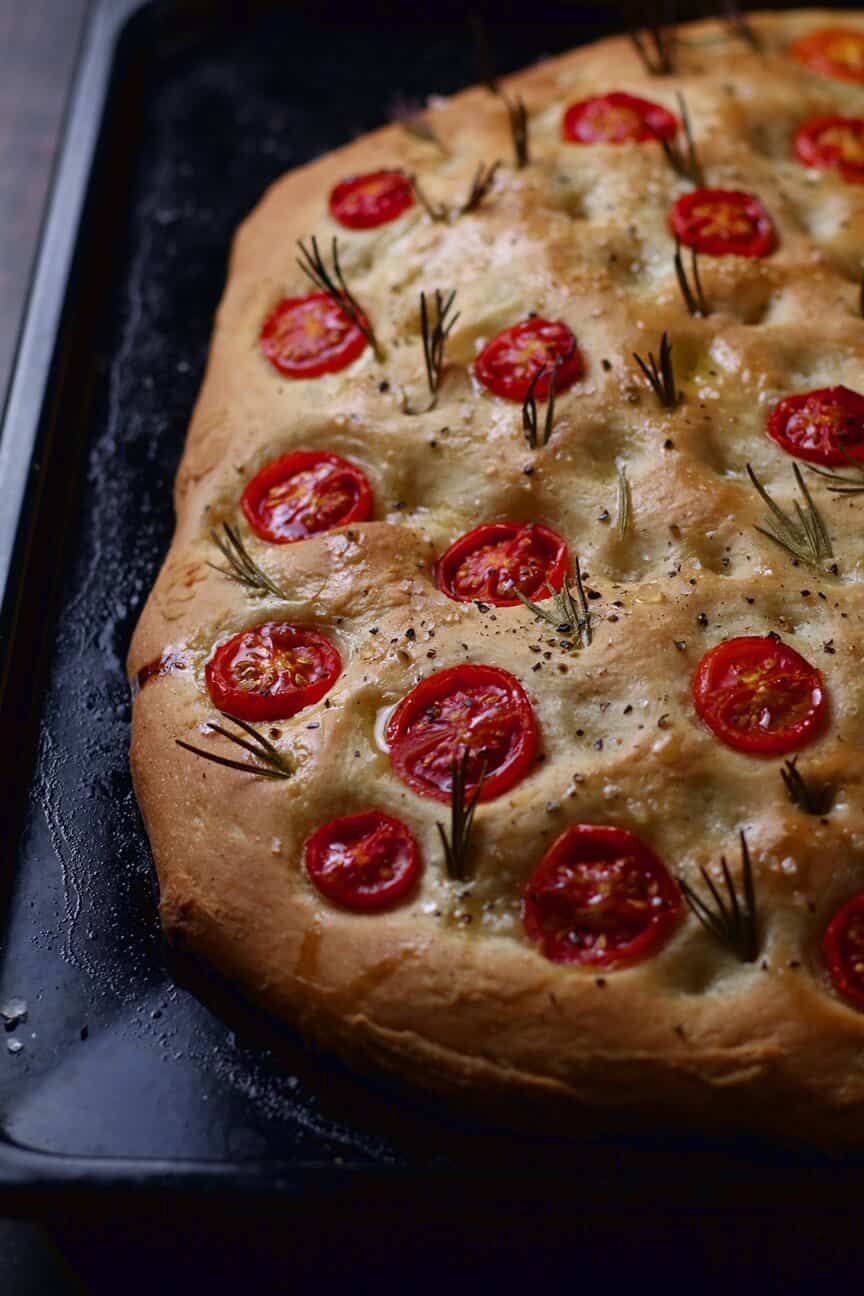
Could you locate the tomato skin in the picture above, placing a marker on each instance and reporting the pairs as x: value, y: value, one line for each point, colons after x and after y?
x: 304, y: 493
x: 507, y: 364
x: 833, y: 142
x: 617, y: 118
x: 599, y: 897
x: 723, y: 222
x: 267, y: 658
x: 480, y: 563
x: 824, y: 426
x: 832, y: 51
x: 363, y: 862
x: 759, y: 696
x: 479, y: 709
x: 364, y: 201
x: 843, y: 950
x: 305, y: 337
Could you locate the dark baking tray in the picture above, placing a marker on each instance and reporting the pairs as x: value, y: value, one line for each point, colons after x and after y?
x: 132, y: 1074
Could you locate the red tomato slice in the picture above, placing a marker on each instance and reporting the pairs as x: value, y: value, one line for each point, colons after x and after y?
x: 825, y: 426
x: 508, y: 363
x: 363, y: 862
x: 304, y: 492
x: 272, y: 671
x: 759, y: 696
x: 599, y: 896
x: 617, y: 118
x: 832, y: 51
x: 490, y: 561
x: 479, y: 709
x: 843, y: 949
x: 363, y: 201
x: 305, y: 337
x: 723, y: 222
x: 836, y: 142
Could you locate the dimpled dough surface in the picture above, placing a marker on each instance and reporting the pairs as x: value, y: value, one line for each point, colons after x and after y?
x: 446, y: 988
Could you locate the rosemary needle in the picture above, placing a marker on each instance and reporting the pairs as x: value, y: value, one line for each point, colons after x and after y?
x: 462, y: 807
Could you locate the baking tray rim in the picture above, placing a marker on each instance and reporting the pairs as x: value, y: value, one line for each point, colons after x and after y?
x: 49, y: 284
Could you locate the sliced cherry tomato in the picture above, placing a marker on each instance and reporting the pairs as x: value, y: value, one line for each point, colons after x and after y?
x: 843, y: 949
x: 723, y: 222
x: 832, y: 51
x: 836, y: 142
x: 599, y: 896
x: 481, y: 710
x: 363, y: 201
x: 305, y: 337
x: 508, y: 363
x: 272, y: 671
x: 825, y: 426
x: 617, y: 119
x: 758, y: 695
x: 491, y: 561
x: 304, y: 492
x: 363, y: 862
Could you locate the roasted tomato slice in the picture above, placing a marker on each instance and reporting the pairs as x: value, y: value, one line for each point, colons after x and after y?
x: 363, y: 201
x: 304, y: 492
x: 843, y: 949
x: 304, y: 337
x: 758, y: 695
x: 481, y: 710
x: 491, y: 561
x: 835, y: 142
x: 723, y: 222
x: 363, y: 862
x: 272, y: 671
x: 617, y: 118
x: 599, y: 896
x: 834, y: 52
x: 508, y: 363
x: 825, y: 426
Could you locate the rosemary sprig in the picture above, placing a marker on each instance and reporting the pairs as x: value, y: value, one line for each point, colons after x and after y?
x: 518, y: 115
x: 740, y: 25
x: 484, y: 178
x: 274, y: 766
x: 435, y: 337
x: 567, y: 619
x: 694, y: 297
x: 804, y: 536
x: 660, y: 373
x: 410, y: 116
x: 536, y: 437
x: 461, y: 818
x: 332, y: 282
x: 814, y: 799
x: 653, y: 44
x: 241, y: 568
x: 733, y: 919
x: 624, y: 504
x: 683, y: 162
x: 852, y: 485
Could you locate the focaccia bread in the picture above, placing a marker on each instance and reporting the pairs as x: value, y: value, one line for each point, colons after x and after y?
x: 694, y: 693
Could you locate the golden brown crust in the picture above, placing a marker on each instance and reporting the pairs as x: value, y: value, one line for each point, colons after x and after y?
x: 580, y: 235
